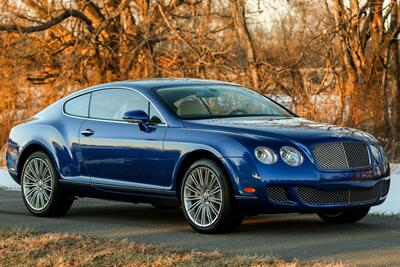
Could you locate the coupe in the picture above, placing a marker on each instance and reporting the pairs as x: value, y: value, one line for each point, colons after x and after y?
x: 217, y: 150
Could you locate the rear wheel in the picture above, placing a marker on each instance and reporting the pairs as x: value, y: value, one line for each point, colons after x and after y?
x: 207, y: 200
x: 345, y: 216
x: 41, y: 191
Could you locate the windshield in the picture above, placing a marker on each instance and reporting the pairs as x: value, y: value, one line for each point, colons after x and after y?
x: 218, y: 101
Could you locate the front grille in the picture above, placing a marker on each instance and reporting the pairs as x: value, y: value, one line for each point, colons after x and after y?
x: 314, y: 196
x: 277, y: 194
x: 341, y: 155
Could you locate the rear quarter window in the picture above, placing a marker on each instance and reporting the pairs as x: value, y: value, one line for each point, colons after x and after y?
x: 78, y: 106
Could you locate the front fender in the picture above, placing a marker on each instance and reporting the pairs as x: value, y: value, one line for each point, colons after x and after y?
x: 231, y: 150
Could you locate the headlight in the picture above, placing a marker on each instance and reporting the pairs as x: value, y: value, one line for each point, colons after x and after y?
x: 291, y: 156
x: 376, y: 152
x: 265, y: 155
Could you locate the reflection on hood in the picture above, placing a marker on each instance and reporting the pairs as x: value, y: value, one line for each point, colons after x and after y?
x: 292, y: 123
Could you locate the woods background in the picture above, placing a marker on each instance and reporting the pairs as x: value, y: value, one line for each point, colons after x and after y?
x: 334, y: 61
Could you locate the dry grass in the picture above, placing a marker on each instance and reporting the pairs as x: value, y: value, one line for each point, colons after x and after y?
x: 22, y: 248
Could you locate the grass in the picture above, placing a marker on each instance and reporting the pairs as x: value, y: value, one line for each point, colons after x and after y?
x: 23, y: 248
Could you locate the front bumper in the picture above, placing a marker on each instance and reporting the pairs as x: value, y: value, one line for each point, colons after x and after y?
x: 284, y: 189
x: 283, y: 198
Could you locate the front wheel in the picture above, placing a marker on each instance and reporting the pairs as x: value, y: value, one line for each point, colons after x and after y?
x: 41, y: 191
x: 207, y: 200
x: 345, y: 216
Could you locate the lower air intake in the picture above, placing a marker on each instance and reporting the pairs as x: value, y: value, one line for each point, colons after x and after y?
x: 314, y: 196
x: 277, y: 194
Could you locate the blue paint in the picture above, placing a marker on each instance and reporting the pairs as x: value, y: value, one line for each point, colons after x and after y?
x: 139, y: 162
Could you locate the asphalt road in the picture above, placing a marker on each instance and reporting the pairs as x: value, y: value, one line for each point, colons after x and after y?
x: 373, y: 241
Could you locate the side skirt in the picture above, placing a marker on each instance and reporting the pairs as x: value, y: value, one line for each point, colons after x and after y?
x: 120, y: 193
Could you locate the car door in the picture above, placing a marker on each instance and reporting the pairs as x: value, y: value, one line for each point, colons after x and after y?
x: 120, y: 153
x: 76, y: 111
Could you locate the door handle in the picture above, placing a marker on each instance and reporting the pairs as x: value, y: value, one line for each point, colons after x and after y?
x: 87, y: 132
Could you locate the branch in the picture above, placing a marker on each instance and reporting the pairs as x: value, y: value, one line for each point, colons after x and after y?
x: 111, y: 17
x: 95, y: 9
x: 49, y: 24
x: 175, y: 31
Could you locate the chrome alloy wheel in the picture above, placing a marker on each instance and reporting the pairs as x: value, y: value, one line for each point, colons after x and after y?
x: 202, y: 196
x: 37, y: 184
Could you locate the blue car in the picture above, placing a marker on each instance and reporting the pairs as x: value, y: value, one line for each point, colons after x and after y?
x: 217, y: 150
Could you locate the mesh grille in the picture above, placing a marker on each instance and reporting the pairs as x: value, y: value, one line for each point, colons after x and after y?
x: 341, y: 155
x: 277, y: 194
x: 315, y: 196
x: 357, y: 154
x: 363, y: 195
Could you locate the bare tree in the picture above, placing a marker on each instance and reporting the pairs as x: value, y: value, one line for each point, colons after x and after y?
x: 337, y: 63
x: 394, y: 73
x: 239, y: 14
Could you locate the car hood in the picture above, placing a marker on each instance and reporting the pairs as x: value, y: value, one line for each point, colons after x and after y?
x: 294, y: 128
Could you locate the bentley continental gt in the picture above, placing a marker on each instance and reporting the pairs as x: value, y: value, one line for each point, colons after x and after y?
x: 218, y: 150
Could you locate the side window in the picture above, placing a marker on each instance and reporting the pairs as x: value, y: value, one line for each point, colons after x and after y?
x: 111, y: 104
x: 78, y: 106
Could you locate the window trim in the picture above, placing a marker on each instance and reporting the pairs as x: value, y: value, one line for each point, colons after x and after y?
x: 155, y: 89
x: 164, y: 122
x: 72, y: 98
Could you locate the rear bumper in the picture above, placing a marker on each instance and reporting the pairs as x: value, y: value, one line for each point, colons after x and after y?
x: 314, y: 197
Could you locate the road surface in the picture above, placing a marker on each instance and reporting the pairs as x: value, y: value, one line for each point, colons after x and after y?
x: 373, y: 241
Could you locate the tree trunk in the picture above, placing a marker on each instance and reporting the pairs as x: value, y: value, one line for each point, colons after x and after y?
x: 239, y: 15
x: 394, y: 74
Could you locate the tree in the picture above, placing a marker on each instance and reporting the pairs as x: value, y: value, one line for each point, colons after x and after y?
x: 239, y: 15
x: 337, y: 62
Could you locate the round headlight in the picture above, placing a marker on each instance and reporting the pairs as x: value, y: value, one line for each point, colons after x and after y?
x: 291, y: 156
x: 265, y: 155
x: 376, y: 152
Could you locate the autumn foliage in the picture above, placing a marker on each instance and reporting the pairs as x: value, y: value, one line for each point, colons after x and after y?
x: 334, y: 61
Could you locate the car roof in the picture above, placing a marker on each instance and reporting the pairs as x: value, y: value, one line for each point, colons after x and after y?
x: 161, y: 82
x: 147, y: 84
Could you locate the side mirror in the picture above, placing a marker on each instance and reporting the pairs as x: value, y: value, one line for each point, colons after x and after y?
x: 136, y: 116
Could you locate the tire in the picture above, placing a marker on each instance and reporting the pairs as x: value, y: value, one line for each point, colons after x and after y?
x: 209, y: 206
x: 346, y: 216
x: 40, y: 187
